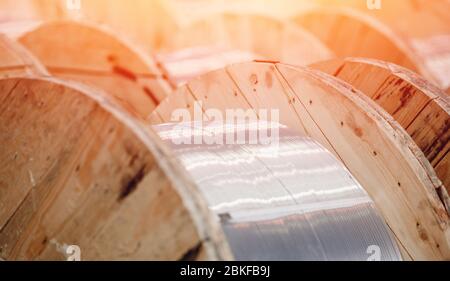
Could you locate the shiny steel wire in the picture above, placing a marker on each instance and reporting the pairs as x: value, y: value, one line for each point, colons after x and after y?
x: 289, y: 200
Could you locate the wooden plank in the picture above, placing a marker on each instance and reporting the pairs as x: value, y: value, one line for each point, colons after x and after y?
x: 262, y: 83
x: 78, y: 170
x: 420, y: 108
x: 370, y: 143
x: 96, y: 56
x: 434, y: 137
x: 443, y: 168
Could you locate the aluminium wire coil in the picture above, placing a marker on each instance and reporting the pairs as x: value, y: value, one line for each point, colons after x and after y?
x: 283, y: 199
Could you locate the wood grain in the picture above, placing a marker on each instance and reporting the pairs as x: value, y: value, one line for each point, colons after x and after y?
x: 420, y: 108
x: 95, y: 55
x: 77, y: 169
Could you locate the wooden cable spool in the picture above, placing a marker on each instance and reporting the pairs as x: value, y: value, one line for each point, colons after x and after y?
x: 376, y: 150
x: 145, y: 21
x: 94, y: 55
x: 95, y: 177
x: 184, y: 65
x: 279, y: 198
x: 16, y: 60
x: 420, y: 108
x: 263, y: 36
x: 78, y: 170
x: 191, y: 10
x: 418, y: 40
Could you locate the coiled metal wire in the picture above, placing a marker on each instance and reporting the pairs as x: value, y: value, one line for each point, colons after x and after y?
x: 289, y: 199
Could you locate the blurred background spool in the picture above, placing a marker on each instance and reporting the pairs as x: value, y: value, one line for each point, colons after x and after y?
x: 144, y: 22
x: 419, y: 107
x: 94, y: 55
x: 215, y: 41
x: 186, y: 64
x: 358, y: 132
x: 67, y: 179
x: 78, y: 170
x: 418, y: 39
x: 266, y: 37
x: 16, y: 60
x: 188, y: 11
